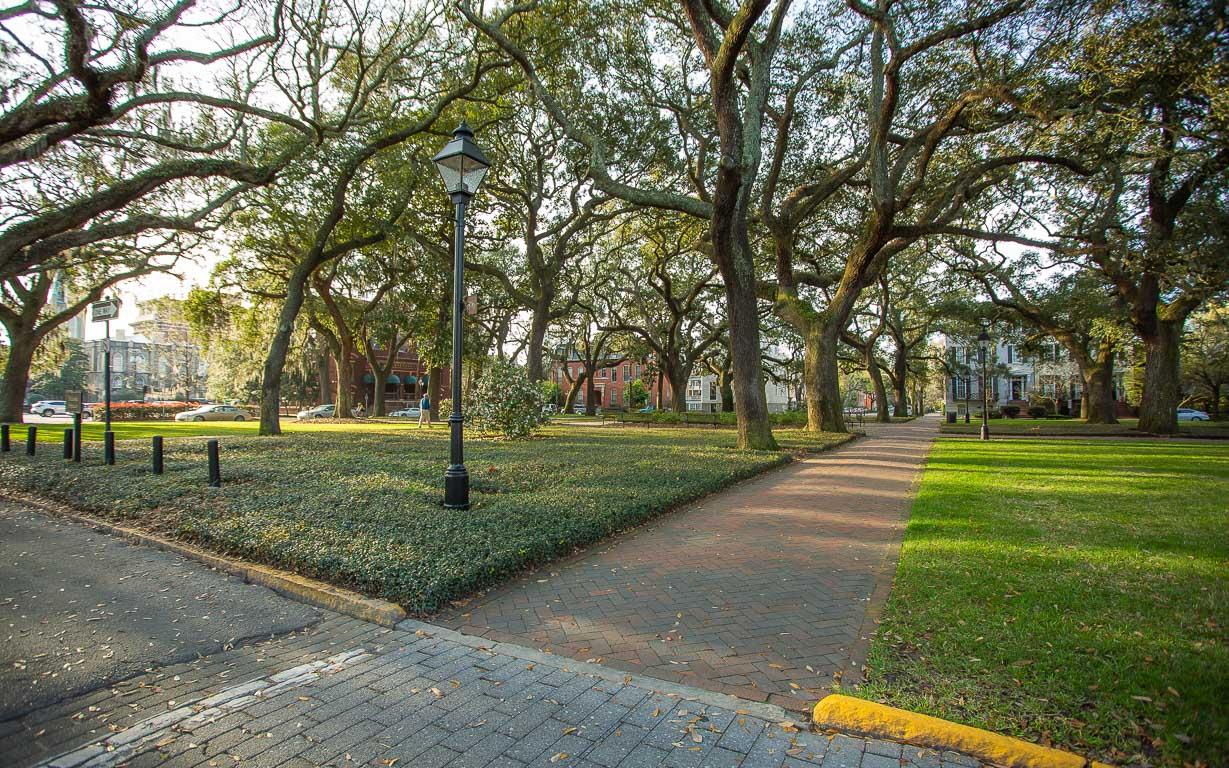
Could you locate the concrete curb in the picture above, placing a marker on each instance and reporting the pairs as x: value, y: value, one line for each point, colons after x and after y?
x: 866, y: 718
x: 296, y: 587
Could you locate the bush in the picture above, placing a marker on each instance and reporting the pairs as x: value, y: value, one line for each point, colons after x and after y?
x: 1036, y: 411
x: 1011, y: 411
x: 506, y: 401
x: 141, y: 411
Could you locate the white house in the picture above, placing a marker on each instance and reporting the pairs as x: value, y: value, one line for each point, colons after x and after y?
x: 704, y: 394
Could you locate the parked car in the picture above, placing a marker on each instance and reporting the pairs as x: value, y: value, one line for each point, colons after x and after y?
x: 648, y: 409
x: 409, y: 413
x: 580, y: 408
x: 213, y: 413
x: 319, y: 412
x: 1190, y: 414
x: 550, y: 408
x: 49, y: 408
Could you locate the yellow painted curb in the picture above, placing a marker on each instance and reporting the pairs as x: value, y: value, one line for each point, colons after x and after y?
x: 292, y: 585
x: 866, y: 718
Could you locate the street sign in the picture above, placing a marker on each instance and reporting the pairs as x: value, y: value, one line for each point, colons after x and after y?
x: 471, y: 305
x: 72, y: 401
x: 107, y: 309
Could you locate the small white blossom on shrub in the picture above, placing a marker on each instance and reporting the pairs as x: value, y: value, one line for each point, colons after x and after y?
x: 506, y: 401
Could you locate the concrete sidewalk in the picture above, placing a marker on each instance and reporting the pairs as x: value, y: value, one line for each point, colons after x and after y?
x: 767, y: 591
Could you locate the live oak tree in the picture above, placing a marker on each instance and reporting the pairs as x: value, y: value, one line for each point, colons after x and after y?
x: 736, y: 49
x: 659, y: 288
x: 543, y: 203
x: 114, y: 129
x: 28, y: 315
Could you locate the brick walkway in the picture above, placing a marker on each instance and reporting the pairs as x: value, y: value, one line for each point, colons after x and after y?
x: 766, y: 591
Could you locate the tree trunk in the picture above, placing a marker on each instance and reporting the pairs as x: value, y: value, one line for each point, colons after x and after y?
x: 821, y: 376
x: 881, y: 393
x: 661, y: 388
x: 900, y: 384
x: 750, y: 405
x: 727, y: 391
x: 279, y: 345
x: 344, y: 401
x: 16, y: 376
x: 590, y: 392
x: 1158, y: 408
x: 570, y: 401
x: 1097, y: 406
x: 435, y: 377
x: 322, y: 373
x: 537, y: 336
x: 377, y: 398
x: 678, y: 383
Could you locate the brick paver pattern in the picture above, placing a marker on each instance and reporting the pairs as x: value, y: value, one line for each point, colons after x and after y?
x: 417, y: 699
x: 767, y: 591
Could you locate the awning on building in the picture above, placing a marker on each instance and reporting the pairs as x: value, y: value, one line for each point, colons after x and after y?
x: 410, y: 381
x: 368, y: 378
x: 394, y: 378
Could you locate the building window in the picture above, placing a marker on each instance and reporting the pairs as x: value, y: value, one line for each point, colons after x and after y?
x: 601, y: 373
x: 712, y: 391
x: 614, y: 374
x: 1010, y: 353
x: 694, y: 392
x: 960, y: 389
x: 627, y: 372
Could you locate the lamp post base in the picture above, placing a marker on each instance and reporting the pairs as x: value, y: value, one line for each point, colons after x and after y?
x: 985, y: 432
x: 456, y: 487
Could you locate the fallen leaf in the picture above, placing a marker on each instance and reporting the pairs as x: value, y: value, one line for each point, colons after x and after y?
x: 569, y: 729
x: 559, y: 756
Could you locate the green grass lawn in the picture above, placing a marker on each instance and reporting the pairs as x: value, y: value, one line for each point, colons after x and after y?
x: 128, y: 430
x: 359, y: 505
x: 1073, y: 592
x: 1060, y: 427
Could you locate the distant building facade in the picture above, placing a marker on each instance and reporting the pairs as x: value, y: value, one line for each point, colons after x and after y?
x: 1018, y: 377
x: 409, y: 380
x: 157, y: 361
x: 611, y: 382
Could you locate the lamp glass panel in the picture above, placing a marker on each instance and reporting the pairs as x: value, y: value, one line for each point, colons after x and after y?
x: 451, y: 171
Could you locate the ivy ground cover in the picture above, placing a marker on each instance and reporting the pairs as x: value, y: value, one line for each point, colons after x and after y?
x: 1074, y: 592
x: 361, y: 508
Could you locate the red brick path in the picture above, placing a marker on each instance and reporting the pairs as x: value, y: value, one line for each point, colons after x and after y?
x: 765, y: 591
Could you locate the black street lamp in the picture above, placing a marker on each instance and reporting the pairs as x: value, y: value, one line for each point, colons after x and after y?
x: 983, y: 349
x: 462, y: 166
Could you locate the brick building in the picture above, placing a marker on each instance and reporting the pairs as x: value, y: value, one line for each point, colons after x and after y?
x: 611, y: 382
x: 403, y: 387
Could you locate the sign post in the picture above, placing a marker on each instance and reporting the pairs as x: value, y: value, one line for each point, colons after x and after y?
x: 104, y: 312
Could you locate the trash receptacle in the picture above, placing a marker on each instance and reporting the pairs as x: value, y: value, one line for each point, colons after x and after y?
x: 951, y: 417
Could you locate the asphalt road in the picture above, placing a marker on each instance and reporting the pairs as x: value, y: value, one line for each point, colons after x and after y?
x: 81, y: 610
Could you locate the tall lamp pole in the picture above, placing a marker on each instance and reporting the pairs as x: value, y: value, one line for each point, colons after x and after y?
x: 983, y: 349
x: 462, y: 166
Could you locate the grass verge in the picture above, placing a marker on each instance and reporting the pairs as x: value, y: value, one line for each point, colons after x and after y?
x: 361, y: 508
x: 1074, y: 593
x: 1081, y: 428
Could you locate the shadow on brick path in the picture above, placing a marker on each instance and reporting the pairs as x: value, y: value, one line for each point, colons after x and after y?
x: 766, y: 591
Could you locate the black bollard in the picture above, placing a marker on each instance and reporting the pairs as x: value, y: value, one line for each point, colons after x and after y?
x: 157, y: 440
x: 77, y: 437
x: 68, y: 443
x: 31, y: 436
x: 5, y: 447
x: 108, y: 447
x: 215, y: 468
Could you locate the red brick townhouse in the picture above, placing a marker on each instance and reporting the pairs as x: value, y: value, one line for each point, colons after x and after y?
x: 611, y: 382
x: 403, y: 387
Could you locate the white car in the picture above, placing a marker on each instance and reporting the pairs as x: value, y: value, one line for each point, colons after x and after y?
x: 49, y: 408
x: 319, y: 412
x: 409, y: 413
x: 1190, y: 414
x: 213, y: 413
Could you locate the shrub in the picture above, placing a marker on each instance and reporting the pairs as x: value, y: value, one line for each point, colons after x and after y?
x: 1036, y: 411
x: 506, y: 401
x: 1011, y: 411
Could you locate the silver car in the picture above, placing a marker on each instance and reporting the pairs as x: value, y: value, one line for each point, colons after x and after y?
x: 1190, y: 414
x: 213, y: 413
x: 319, y: 412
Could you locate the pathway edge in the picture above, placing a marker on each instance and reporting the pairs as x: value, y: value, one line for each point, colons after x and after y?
x: 868, y: 718
x: 294, y: 586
